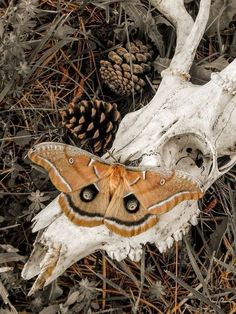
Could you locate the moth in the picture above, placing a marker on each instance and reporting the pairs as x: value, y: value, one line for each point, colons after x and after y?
x: 127, y: 200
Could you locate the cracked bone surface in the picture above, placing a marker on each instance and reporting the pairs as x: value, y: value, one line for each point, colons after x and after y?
x: 186, y: 127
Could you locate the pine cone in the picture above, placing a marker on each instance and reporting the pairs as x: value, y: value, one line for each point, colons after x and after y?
x: 124, y: 73
x: 93, y: 122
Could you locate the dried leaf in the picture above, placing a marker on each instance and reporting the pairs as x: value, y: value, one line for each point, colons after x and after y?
x: 129, y: 272
x: 145, y: 22
x: 63, y: 31
x: 23, y: 138
x: 8, y: 248
x: 161, y: 64
x: 9, y: 308
x: 221, y: 14
x: 3, y: 293
x: 199, y: 74
x: 10, y: 257
x: 217, y: 235
x: 1, y: 29
x: 72, y: 298
x: 54, y: 291
x: 232, y: 48
x: 193, y: 259
x: 5, y: 269
x: 136, y: 12
x: 154, y: 34
x: 81, y: 299
x: 160, y: 19
x: 217, y: 65
x: 51, y: 309
x: 121, y: 30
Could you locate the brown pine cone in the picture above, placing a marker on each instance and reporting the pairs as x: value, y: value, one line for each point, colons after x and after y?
x: 93, y: 122
x: 124, y: 72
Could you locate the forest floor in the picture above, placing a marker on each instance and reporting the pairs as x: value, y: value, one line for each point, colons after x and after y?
x: 50, y: 53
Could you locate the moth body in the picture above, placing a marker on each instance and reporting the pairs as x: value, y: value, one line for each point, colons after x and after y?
x: 116, y: 177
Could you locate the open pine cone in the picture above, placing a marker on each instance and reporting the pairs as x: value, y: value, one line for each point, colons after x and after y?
x: 124, y: 72
x: 93, y: 122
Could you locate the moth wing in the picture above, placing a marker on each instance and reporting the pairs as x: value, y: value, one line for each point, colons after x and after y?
x: 69, y: 167
x: 123, y: 222
x: 158, y: 192
x: 88, y: 214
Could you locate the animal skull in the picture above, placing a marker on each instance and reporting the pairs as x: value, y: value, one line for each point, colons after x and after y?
x: 189, y: 130
x: 186, y: 127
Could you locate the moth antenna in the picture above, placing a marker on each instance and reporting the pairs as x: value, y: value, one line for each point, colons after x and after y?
x: 127, y: 160
x: 133, y: 163
x: 25, y: 156
x: 112, y: 156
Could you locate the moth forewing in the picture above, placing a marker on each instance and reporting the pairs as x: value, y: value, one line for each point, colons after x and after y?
x: 67, y: 166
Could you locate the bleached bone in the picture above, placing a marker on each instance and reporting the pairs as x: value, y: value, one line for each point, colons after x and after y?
x: 185, y: 126
x: 62, y: 243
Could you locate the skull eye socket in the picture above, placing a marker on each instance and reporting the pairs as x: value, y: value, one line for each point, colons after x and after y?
x: 88, y: 193
x: 131, y: 203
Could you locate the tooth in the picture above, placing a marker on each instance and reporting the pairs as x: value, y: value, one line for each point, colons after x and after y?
x: 194, y: 220
x: 169, y: 242
x: 122, y: 255
x: 177, y: 235
x: 132, y: 255
x: 111, y: 254
x: 162, y: 247
x: 139, y: 253
x: 185, y: 228
x: 118, y: 256
x: 135, y: 255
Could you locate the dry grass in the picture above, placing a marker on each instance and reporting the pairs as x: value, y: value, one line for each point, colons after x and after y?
x: 56, y: 59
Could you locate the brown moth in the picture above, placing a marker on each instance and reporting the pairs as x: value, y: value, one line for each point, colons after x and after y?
x: 127, y: 200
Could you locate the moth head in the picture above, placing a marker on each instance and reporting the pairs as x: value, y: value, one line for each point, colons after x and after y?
x: 131, y: 203
x: 88, y: 193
